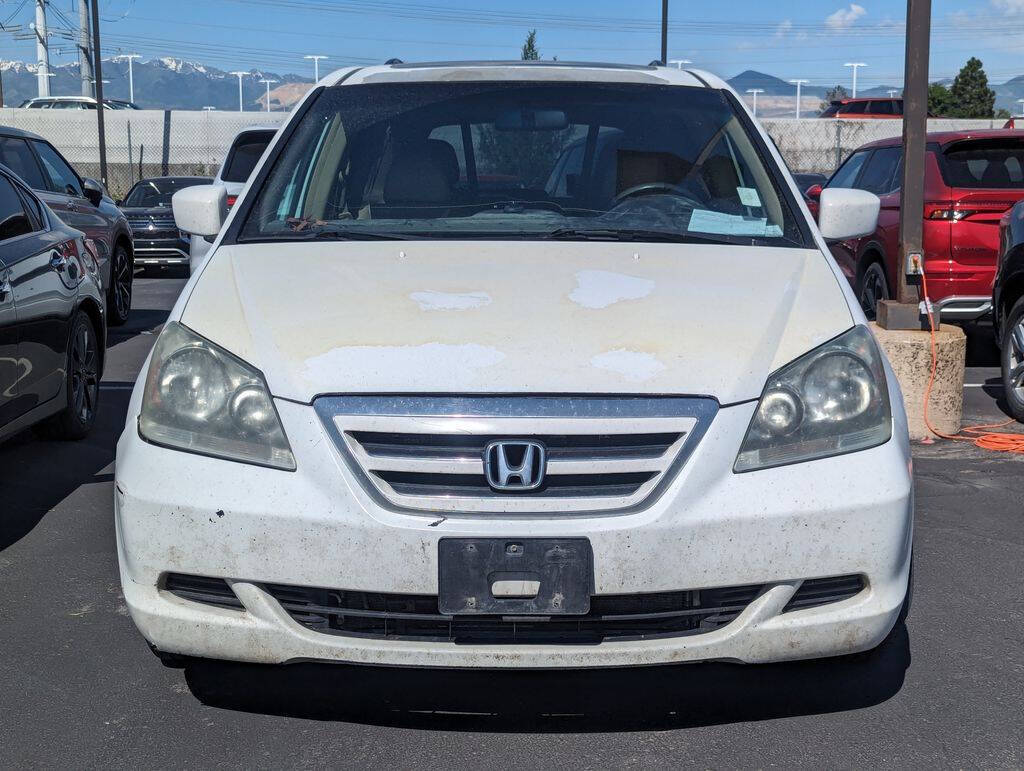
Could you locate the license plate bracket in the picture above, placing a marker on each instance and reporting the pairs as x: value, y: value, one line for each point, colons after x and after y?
x: 469, y: 569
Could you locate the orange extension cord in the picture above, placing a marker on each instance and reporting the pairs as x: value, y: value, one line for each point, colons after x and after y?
x: 1000, y: 442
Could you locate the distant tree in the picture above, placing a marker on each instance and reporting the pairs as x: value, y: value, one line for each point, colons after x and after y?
x: 530, y: 52
x: 970, y: 95
x: 940, y: 101
x: 1002, y: 112
x: 833, y: 95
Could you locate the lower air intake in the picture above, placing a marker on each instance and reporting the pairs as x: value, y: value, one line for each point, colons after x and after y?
x: 416, y: 617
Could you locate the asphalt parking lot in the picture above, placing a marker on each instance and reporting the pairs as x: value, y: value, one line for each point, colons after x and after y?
x: 80, y: 689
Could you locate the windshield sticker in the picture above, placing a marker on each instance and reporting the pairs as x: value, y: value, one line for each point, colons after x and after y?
x: 748, y: 196
x: 704, y: 221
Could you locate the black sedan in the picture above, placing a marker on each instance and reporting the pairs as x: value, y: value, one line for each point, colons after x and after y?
x: 1008, y: 307
x: 52, y: 326
x: 158, y: 242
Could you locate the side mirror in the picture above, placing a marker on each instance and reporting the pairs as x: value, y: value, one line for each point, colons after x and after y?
x: 847, y: 213
x: 813, y: 192
x: 93, y: 191
x: 200, y: 210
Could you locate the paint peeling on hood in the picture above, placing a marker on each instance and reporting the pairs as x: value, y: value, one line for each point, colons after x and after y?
x: 449, y: 301
x: 698, y: 319
x: 458, y: 362
x: 601, y: 288
x: 632, y: 365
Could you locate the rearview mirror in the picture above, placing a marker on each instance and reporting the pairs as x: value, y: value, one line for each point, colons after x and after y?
x: 93, y: 191
x: 846, y: 213
x: 200, y: 210
x: 527, y: 119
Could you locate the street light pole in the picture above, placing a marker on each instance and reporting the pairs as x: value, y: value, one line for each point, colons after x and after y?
x: 97, y: 69
x: 1021, y: 103
x: 664, y: 31
x: 856, y: 66
x: 131, y: 75
x: 799, y: 82
x: 755, y: 92
x: 316, y: 65
x: 893, y: 92
x: 239, y: 75
x: 268, y: 82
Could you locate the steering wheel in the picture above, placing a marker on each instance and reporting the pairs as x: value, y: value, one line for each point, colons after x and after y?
x: 654, y: 188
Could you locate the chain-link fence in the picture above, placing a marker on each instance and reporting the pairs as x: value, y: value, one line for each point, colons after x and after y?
x: 140, y: 143
x: 152, y: 143
x: 820, y: 145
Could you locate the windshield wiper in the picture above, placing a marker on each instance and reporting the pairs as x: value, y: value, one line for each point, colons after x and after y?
x: 633, y: 234
x: 342, y: 234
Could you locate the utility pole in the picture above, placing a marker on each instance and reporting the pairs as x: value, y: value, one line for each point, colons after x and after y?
x: 42, y: 50
x: 316, y: 65
x: 856, y: 66
x: 1, y: 82
x: 664, y: 32
x: 84, y: 49
x: 239, y: 74
x: 755, y: 92
x: 268, y: 82
x: 98, y: 69
x: 915, y: 130
x: 679, y: 62
x: 799, y: 82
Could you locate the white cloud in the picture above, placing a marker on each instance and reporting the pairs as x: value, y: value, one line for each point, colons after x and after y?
x: 1009, y: 6
x: 844, y: 18
x: 783, y: 28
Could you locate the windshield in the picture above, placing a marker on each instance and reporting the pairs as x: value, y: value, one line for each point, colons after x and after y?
x: 158, y: 192
x: 571, y: 161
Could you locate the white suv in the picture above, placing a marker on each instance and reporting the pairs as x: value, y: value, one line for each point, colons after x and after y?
x: 429, y: 404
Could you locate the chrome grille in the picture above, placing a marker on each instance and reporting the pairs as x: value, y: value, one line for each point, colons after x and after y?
x: 604, y: 454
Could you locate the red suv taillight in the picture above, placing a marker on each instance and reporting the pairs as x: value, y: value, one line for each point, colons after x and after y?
x: 231, y: 200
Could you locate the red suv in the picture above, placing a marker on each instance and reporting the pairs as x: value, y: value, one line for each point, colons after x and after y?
x: 971, y: 178
x: 864, y: 108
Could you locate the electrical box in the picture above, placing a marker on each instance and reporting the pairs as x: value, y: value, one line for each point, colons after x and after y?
x: 915, y: 264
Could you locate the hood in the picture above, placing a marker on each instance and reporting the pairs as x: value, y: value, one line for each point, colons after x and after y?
x: 516, y: 316
x: 158, y: 212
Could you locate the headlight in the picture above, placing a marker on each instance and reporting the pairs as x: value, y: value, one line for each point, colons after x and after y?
x: 200, y: 398
x: 831, y: 401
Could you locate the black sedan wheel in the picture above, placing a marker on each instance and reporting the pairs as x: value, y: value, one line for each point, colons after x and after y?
x: 1013, y: 360
x: 119, y: 293
x: 75, y: 421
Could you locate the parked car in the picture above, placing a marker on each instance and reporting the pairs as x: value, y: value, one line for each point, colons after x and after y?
x: 1008, y: 307
x: 806, y: 180
x: 75, y: 103
x: 413, y: 421
x: 864, y: 108
x: 52, y: 331
x: 158, y: 241
x: 245, y: 152
x: 971, y: 179
x: 81, y: 203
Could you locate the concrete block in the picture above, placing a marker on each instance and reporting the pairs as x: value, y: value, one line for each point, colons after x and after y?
x: 910, y: 354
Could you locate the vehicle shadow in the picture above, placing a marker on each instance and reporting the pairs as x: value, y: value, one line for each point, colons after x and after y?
x: 37, y: 474
x: 575, y: 701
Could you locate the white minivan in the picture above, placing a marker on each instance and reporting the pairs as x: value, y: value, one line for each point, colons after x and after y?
x: 517, y: 365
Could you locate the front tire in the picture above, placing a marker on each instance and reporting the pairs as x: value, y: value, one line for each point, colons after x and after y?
x: 119, y: 293
x: 1012, y: 359
x: 76, y: 420
x: 873, y: 288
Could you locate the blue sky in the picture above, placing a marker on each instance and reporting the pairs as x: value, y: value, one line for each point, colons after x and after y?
x: 788, y: 38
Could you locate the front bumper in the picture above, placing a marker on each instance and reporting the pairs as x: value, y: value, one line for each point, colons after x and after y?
x: 166, y: 251
x: 318, y: 527
x: 963, y: 307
